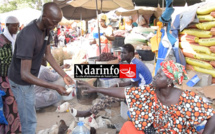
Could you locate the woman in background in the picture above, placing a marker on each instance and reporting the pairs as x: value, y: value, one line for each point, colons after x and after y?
x: 106, y: 37
x: 7, y: 44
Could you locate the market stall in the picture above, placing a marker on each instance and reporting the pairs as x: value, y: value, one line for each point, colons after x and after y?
x: 197, y: 41
x: 141, y: 21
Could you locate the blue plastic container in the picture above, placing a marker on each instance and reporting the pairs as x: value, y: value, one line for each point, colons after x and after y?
x: 192, y: 82
x: 80, y: 129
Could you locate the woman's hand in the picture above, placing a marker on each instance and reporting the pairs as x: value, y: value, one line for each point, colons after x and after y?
x: 85, y: 85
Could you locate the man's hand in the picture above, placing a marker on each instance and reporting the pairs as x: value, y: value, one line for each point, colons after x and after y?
x: 62, y: 91
x: 85, y: 85
x: 66, y: 66
x: 68, y: 80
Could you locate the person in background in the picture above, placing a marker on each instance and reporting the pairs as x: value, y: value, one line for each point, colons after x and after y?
x: 7, y: 41
x: 56, y: 39
x: 107, y: 35
x: 122, y: 24
x: 32, y: 44
x: 143, y: 76
x: 161, y: 107
x: 67, y: 39
x: 141, y: 21
x: 58, y: 30
x: 128, y: 24
x: 0, y: 28
x: 61, y: 39
x: 78, y: 30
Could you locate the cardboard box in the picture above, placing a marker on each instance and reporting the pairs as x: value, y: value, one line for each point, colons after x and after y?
x: 209, y: 91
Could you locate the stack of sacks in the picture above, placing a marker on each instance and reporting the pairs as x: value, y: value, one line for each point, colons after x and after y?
x: 198, y: 42
x: 139, y: 35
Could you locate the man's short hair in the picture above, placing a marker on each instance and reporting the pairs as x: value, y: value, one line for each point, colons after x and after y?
x: 129, y: 48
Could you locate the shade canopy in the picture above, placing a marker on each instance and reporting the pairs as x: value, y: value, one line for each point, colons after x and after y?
x: 154, y: 3
x: 107, y: 5
x: 104, y: 5
x: 75, y: 13
x: 24, y: 15
x: 140, y: 10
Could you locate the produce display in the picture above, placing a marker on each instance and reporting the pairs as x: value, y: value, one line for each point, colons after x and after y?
x: 198, y: 43
x: 106, y: 57
x: 197, y: 33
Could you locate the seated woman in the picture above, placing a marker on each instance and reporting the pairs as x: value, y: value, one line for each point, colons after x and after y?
x: 161, y: 105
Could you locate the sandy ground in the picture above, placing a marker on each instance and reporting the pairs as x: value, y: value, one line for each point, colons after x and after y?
x: 47, y: 117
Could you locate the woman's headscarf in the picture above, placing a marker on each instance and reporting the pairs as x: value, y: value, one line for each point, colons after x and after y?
x: 104, y: 17
x: 174, y: 71
x: 12, y: 38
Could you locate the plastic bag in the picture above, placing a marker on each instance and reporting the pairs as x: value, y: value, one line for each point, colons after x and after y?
x: 63, y: 107
x: 206, y: 25
x: 207, y: 8
x: 199, y: 63
x: 197, y: 33
x: 197, y: 48
x: 206, y: 71
x: 2, y: 118
x: 188, y: 16
x: 178, y: 54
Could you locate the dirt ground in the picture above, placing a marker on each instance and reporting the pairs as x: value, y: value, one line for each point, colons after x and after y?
x: 47, y: 117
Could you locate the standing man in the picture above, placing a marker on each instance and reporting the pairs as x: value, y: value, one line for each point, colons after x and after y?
x: 31, y: 46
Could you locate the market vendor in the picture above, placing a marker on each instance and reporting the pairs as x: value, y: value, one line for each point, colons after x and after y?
x: 107, y: 35
x: 143, y: 77
x: 128, y: 23
x: 161, y: 107
x: 142, y: 21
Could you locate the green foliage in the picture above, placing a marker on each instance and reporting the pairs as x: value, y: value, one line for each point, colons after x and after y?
x: 8, y: 7
x: 24, y: 3
x: 19, y: 4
